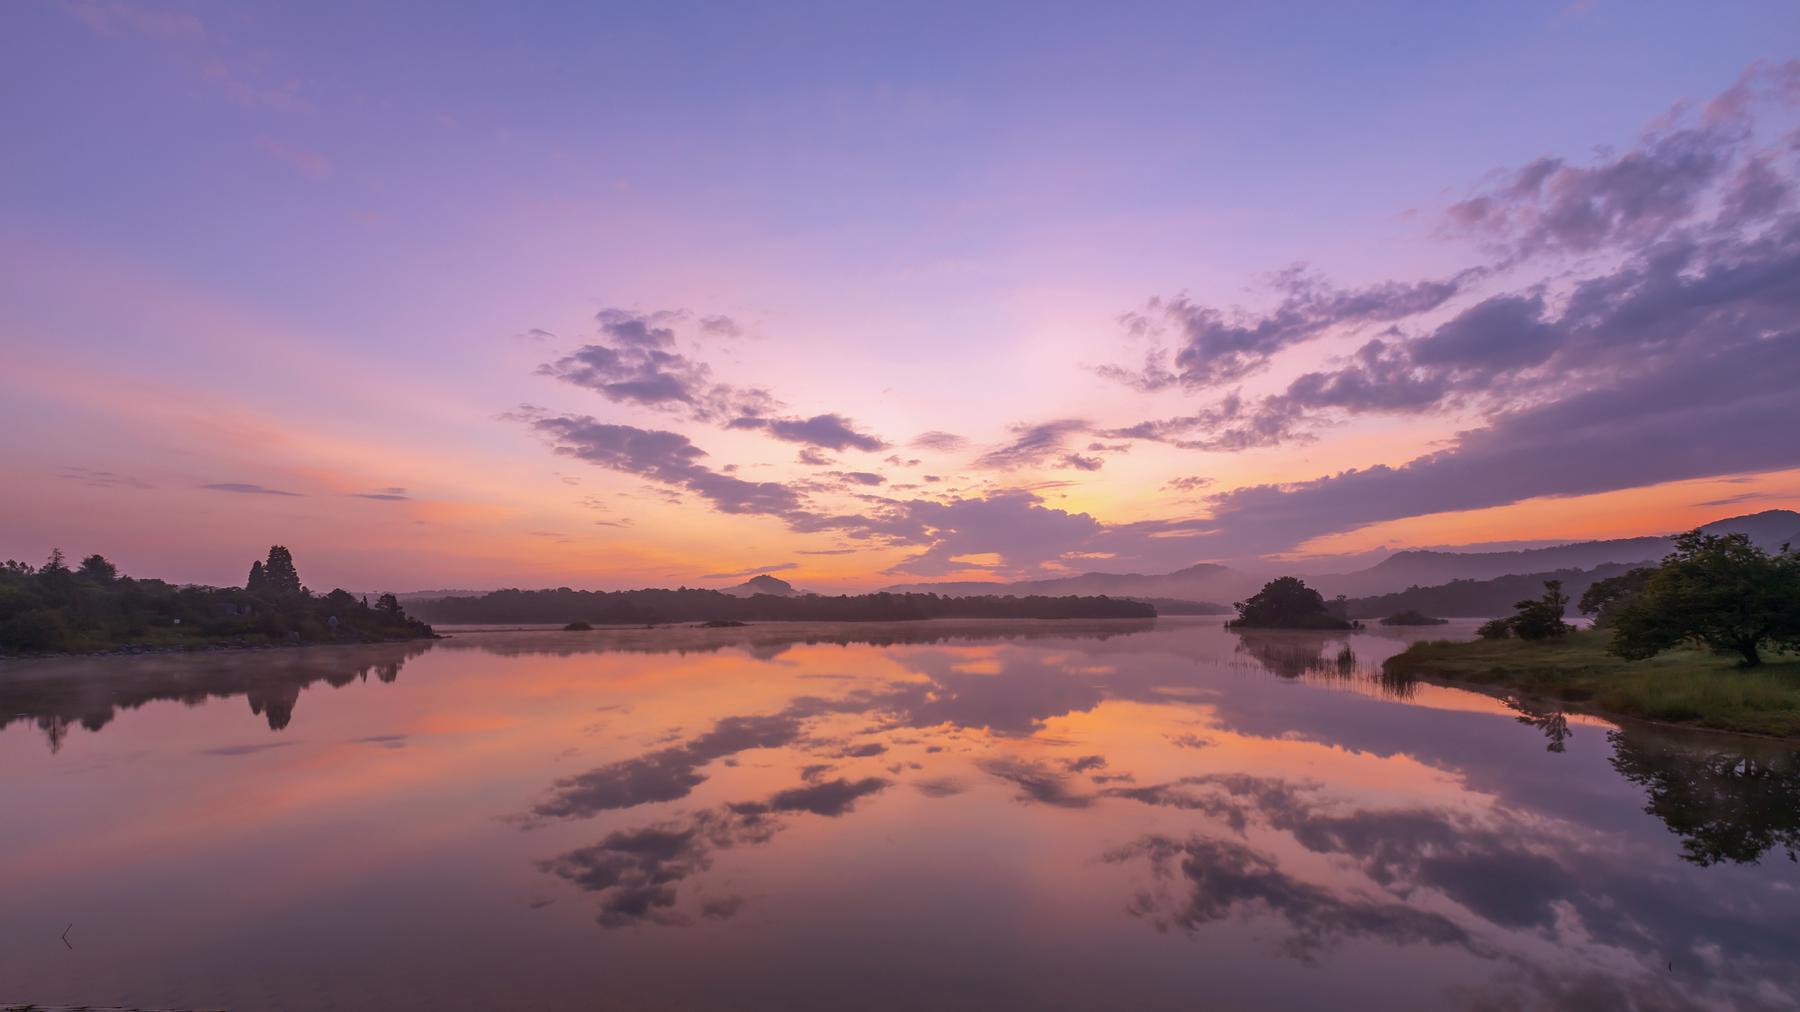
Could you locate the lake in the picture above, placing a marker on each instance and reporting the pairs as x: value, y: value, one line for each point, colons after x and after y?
x: 948, y: 815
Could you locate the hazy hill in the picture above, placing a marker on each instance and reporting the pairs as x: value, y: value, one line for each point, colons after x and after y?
x: 1769, y: 530
x: 1206, y: 582
x: 764, y: 584
x: 1481, y: 598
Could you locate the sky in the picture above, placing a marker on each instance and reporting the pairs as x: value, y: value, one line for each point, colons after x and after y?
x: 468, y: 296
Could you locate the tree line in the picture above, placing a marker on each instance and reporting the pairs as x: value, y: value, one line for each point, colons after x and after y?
x: 658, y: 606
x: 1720, y: 592
x: 54, y: 607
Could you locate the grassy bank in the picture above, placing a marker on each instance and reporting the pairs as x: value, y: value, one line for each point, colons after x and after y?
x: 1683, y: 686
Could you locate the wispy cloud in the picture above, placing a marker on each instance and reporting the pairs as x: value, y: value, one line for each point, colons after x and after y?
x: 247, y: 488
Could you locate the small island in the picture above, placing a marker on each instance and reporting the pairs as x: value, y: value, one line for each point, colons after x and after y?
x: 92, y: 608
x: 1288, y: 603
x: 1413, y: 617
x: 1710, y: 638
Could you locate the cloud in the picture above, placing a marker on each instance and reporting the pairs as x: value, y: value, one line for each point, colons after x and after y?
x: 637, y: 364
x: 637, y: 872
x: 829, y: 798
x: 828, y: 432
x: 1032, y: 444
x: 102, y: 479
x: 1667, y: 362
x: 1227, y: 879
x: 1036, y: 782
x: 391, y: 494
x: 1218, y: 347
x: 247, y: 488
x: 1679, y: 364
x: 665, y: 774
x: 1014, y: 524
x: 308, y: 163
x: 755, y: 571
x: 943, y: 442
x: 1638, y: 197
x: 720, y: 326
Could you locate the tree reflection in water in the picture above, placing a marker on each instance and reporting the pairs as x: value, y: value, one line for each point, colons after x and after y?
x: 62, y: 694
x: 1728, y: 802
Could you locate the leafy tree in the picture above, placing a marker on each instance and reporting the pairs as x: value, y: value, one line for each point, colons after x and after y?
x: 1538, y: 618
x: 1719, y: 591
x: 1286, y: 603
x: 97, y: 569
x: 279, y: 574
x: 56, y: 579
x: 389, y: 604
x: 1495, y: 629
x: 258, y: 580
x: 1542, y: 618
x: 1603, y: 599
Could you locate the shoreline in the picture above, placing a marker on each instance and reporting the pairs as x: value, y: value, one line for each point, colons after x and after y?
x: 1685, y: 690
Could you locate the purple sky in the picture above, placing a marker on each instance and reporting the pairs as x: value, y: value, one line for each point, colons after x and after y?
x: 455, y: 295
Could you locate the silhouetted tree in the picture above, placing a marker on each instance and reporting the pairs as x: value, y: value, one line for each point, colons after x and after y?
x: 1719, y: 591
x: 258, y: 579
x: 279, y: 573
x: 389, y: 604
x: 1538, y: 618
x: 1287, y: 603
x: 1604, y: 597
x: 1542, y: 618
x: 96, y: 568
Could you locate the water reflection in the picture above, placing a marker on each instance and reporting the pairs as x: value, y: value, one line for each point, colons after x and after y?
x: 1729, y: 802
x: 1208, y: 809
x: 57, y: 695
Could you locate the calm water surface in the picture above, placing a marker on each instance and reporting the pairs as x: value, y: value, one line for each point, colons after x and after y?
x: 949, y: 815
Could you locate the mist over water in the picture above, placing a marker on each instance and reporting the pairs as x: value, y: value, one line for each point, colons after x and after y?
x: 972, y: 815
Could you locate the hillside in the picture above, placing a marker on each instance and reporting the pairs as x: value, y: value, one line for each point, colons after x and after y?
x: 1768, y: 530
x: 764, y: 584
x: 1480, y: 598
x: 1203, y: 583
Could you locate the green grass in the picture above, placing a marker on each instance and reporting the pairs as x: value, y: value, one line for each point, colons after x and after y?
x: 1686, y: 686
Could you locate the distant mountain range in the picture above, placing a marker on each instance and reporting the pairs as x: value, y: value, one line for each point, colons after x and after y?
x: 1210, y: 582
x: 1210, y: 587
x: 1206, y: 582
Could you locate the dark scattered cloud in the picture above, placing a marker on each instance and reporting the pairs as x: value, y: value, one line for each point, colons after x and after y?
x: 636, y: 873
x: 1015, y: 524
x: 943, y: 442
x: 102, y: 479
x: 390, y: 494
x: 826, y: 797
x: 1225, y: 879
x: 1215, y: 346
x: 828, y: 432
x: 940, y: 787
x: 1033, y: 445
x: 246, y: 488
x: 665, y: 774
x: 1670, y: 361
x: 637, y: 362
x: 1037, y: 782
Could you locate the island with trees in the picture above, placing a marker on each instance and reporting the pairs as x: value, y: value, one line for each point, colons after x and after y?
x: 1710, y: 637
x: 1288, y: 603
x: 92, y: 608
